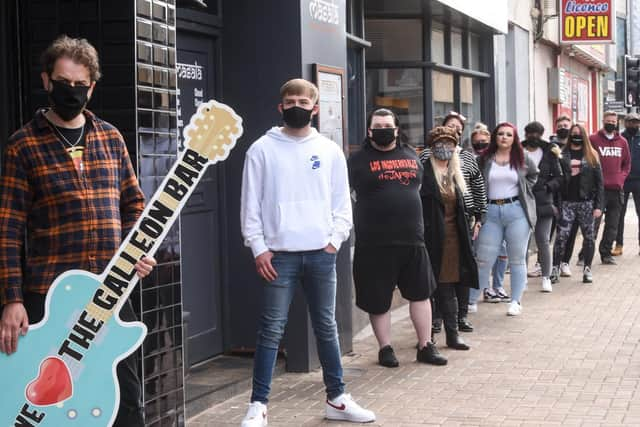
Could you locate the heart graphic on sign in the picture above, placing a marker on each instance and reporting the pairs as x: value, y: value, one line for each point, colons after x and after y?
x: 53, y: 384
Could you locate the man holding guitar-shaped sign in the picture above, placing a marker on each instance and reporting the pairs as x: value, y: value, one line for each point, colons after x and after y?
x: 67, y: 182
x: 76, y: 210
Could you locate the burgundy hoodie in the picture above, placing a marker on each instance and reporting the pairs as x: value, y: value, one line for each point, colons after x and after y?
x: 614, y: 158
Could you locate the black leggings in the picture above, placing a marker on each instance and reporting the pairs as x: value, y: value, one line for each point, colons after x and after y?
x: 572, y: 213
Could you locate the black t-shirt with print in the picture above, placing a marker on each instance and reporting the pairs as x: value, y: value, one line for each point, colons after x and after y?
x: 388, y: 210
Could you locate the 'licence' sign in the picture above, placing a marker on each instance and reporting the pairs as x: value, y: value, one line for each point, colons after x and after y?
x: 587, y: 21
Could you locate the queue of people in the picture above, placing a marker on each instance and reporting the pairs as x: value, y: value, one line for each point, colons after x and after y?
x: 443, y: 226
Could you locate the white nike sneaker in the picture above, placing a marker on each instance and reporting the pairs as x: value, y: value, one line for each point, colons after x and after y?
x: 256, y: 415
x: 344, y: 408
x: 515, y: 309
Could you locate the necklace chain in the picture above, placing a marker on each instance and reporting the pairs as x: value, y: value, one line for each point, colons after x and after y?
x: 59, y: 132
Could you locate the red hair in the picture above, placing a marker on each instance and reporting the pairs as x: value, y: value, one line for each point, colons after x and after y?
x: 517, y: 153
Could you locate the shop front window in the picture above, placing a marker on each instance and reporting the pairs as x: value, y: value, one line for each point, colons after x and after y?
x: 474, y: 52
x: 437, y: 44
x: 442, y: 95
x: 394, y: 39
x: 400, y: 90
x: 456, y: 48
x: 471, y: 103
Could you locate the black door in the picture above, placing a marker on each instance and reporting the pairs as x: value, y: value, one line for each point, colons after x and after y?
x: 200, y: 220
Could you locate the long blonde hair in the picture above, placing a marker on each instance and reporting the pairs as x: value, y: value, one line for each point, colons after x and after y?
x: 453, y: 176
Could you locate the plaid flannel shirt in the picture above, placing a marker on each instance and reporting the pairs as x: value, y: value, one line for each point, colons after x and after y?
x: 67, y: 219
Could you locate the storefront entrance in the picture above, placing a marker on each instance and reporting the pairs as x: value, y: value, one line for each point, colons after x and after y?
x: 201, y: 267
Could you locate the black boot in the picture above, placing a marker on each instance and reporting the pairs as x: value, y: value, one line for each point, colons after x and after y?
x: 464, y: 325
x: 429, y: 354
x: 449, y: 310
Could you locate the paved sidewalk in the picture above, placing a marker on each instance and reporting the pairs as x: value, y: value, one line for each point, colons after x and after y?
x: 572, y: 358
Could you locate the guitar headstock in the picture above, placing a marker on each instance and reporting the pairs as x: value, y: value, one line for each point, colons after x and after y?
x: 213, y: 130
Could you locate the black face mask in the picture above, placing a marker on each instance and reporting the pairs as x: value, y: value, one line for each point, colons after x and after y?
x: 534, y: 143
x: 577, y: 140
x: 633, y: 131
x: 68, y: 101
x: 610, y: 127
x: 383, y: 136
x: 480, y: 147
x: 296, y: 117
x: 562, y: 133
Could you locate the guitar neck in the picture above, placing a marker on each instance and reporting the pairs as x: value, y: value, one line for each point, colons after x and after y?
x: 146, y: 236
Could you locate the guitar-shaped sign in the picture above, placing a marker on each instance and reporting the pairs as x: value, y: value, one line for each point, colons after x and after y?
x: 64, y: 372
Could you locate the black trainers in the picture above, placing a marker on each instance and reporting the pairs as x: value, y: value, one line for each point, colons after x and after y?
x: 429, y: 354
x: 464, y: 325
x: 608, y: 260
x: 387, y: 357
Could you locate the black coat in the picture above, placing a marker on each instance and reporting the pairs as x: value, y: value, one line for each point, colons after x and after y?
x: 551, y: 180
x: 591, y: 182
x: 433, y: 214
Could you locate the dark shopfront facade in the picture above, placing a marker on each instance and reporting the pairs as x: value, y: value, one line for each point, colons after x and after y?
x: 159, y: 59
x: 427, y: 59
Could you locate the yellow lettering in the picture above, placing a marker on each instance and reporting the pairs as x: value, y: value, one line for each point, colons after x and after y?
x: 581, y: 24
x: 591, y: 26
x: 603, y: 26
x: 569, y: 27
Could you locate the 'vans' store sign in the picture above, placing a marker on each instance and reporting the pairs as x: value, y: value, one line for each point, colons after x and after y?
x: 587, y: 21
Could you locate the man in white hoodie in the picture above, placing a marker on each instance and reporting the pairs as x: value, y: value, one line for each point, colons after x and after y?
x: 295, y: 214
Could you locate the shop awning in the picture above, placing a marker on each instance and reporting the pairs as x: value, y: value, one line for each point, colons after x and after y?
x: 492, y: 13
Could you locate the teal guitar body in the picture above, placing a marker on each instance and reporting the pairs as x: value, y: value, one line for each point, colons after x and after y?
x: 89, y: 402
x: 64, y: 370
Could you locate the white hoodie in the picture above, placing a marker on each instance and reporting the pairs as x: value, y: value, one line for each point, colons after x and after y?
x: 295, y: 194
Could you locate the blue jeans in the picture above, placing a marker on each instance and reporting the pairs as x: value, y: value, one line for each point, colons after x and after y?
x: 499, y: 268
x: 497, y: 273
x: 315, y: 271
x: 506, y: 222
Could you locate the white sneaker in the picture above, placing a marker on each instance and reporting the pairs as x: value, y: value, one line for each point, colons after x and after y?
x: 472, y: 308
x: 344, y: 408
x: 515, y: 309
x: 256, y: 415
x: 565, y: 271
x: 536, y: 271
x: 546, y: 285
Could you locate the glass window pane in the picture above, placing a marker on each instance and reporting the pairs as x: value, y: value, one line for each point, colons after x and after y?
x: 456, y: 48
x: 394, y: 39
x: 474, y: 52
x: 442, y: 95
x: 471, y: 100
x: 437, y: 45
x: 400, y: 90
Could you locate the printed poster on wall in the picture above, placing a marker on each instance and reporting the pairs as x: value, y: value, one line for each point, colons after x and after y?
x: 587, y: 21
x: 331, y: 102
x: 574, y: 94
